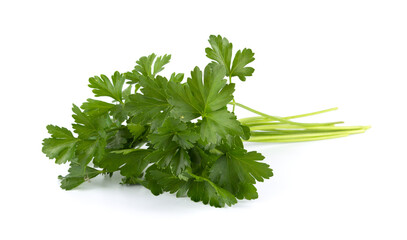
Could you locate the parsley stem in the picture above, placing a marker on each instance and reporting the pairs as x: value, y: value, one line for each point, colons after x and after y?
x: 202, y: 179
x: 302, y: 137
x: 233, y: 99
x: 280, y: 119
x: 312, y: 113
x: 265, y: 121
x: 291, y: 127
x: 267, y: 128
x: 299, y: 139
x: 290, y: 117
x: 288, y: 136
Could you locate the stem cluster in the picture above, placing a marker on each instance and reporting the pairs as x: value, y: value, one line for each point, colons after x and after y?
x: 267, y: 128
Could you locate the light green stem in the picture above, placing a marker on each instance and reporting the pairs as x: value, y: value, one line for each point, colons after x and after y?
x: 267, y: 128
x: 312, y: 113
x: 280, y: 119
x: 262, y: 118
x: 277, y: 124
x: 325, y: 128
x: 304, y: 135
x: 299, y: 139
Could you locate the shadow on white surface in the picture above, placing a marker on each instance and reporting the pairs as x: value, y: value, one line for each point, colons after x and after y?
x: 106, y: 192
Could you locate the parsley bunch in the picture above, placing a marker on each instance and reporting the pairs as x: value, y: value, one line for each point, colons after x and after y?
x: 177, y: 136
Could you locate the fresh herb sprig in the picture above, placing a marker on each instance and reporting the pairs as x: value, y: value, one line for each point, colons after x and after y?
x: 171, y: 135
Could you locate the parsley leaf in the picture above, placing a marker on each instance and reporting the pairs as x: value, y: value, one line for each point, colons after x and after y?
x: 210, y: 193
x: 238, y: 170
x: 136, y: 129
x: 159, y: 181
x: 206, y: 99
x: 89, y: 150
x: 136, y: 162
x: 94, y: 107
x: 242, y: 58
x: 130, y: 164
x: 120, y: 140
x: 199, y: 189
x: 61, y: 145
x: 176, y: 77
x: 176, y: 158
x: 174, y: 132
x: 221, y: 52
x: 145, y: 69
x: 152, y: 105
x: 102, y: 86
x: 78, y: 174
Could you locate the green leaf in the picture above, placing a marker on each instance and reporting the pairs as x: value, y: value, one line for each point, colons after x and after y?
x: 112, y: 162
x: 89, y: 126
x: 221, y: 52
x: 61, y: 145
x: 219, y: 124
x: 120, y: 139
x: 152, y: 105
x: 199, y: 189
x: 176, y: 158
x: 176, y: 77
x: 134, y: 76
x: 136, y: 129
x: 84, y: 126
x: 198, y: 97
x: 127, y: 92
x: 89, y: 150
x: 59, y: 132
x: 210, y: 193
x: 238, y: 170
x: 125, y: 151
x: 78, y: 174
x: 95, y: 107
x: 119, y: 113
x: 208, y: 99
x: 130, y: 164
x: 136, y: 162
x: 242, y: 58
x: 147, y: 109
x: 160, y: 62
x: 180, y: 162
x: 155, y: 88
x: 145, y: 69
x: 91, y: 129
x: 89, y: 145
x: 102, y: 86
x: 144, y: 65
x: 173, y: 132
x: 201, y: 159
x: 246, y: 132
x: 159, y: 181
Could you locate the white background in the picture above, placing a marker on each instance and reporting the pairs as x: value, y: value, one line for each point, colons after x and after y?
x: 310, y: 55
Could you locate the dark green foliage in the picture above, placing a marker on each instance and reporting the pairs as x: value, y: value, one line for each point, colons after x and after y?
x: 165, y: 134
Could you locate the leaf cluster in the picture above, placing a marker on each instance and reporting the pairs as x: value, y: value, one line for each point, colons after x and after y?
x: 166, y: 134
